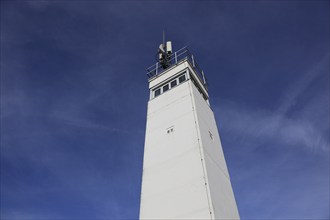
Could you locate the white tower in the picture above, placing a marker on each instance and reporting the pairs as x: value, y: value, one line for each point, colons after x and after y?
x: 184, y: 170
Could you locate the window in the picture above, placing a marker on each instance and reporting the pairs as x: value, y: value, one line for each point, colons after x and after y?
x: 182, y: 78
x: 157, y: 92
x: 165, y: 88
x: 170, y: 84
x: 173, y: 83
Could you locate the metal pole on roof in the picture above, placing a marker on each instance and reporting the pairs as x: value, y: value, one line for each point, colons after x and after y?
x: 156, y: 68
x: 163, y: 37
x: 192, y: 57
x: 203, y: 77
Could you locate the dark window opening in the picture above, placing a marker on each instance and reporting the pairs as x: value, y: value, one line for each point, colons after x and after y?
x: 182, y: 78
x: 157, y: 92
x: 173, y: 83
x: 165, y: 88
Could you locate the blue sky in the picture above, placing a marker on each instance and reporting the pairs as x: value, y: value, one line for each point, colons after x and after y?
x: 74, y: 98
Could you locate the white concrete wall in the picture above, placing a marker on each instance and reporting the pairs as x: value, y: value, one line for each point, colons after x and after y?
x: 173, y: 182
x: 184, y: 171
x: 218, y: 180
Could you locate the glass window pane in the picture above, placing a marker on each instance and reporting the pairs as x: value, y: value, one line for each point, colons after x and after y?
x: 165, y: 88
x: 182, y: 78
x: 173, y: 83
x: 157, y: 92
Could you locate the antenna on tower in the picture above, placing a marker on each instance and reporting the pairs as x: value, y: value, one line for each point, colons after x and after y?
x: 163, y: 37
x: 164, y: 53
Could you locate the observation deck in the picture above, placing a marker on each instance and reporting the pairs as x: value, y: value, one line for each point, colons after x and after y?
x: 177, y: 57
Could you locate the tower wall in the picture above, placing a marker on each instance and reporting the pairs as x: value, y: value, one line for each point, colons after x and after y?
x: 184, y: 170
x: 173, y: 185
x: 218, y: 180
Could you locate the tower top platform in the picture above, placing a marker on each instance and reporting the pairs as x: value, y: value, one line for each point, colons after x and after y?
x: 175, y: 59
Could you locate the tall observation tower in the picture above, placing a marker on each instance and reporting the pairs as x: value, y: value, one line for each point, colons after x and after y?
x: 184, y: 170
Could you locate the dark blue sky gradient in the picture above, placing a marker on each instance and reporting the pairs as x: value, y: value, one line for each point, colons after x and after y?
x: 74, y: 98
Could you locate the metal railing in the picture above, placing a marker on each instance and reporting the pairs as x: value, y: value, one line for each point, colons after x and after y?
x: 176, y: 57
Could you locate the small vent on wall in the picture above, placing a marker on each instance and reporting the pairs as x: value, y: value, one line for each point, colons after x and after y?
x: 170, y: 130
x: 211, y: 135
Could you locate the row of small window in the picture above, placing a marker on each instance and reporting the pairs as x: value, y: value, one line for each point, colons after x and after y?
x: 169, y: 85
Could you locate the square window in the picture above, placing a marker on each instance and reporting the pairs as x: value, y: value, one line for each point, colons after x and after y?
x: 182, y: 78
x: 173, y: 83
x: 165, y: 88
x: 157, y: 92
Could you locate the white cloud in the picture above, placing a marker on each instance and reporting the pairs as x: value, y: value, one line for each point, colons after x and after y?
x: 260, y: 125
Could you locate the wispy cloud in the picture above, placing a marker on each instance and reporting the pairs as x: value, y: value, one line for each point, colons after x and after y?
x: 281, y: 154
x: 302, y: 84
x: 261, y: 125
x: 81, y: 122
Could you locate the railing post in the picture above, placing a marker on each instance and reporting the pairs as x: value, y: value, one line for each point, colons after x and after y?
x: 192, y: 57
x: 203, y: 77
x: 176, y: 58
x: 156, y: 68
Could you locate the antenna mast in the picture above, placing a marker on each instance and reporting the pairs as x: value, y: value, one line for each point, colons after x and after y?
x: 164, y: 53
x: 163, y: 37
